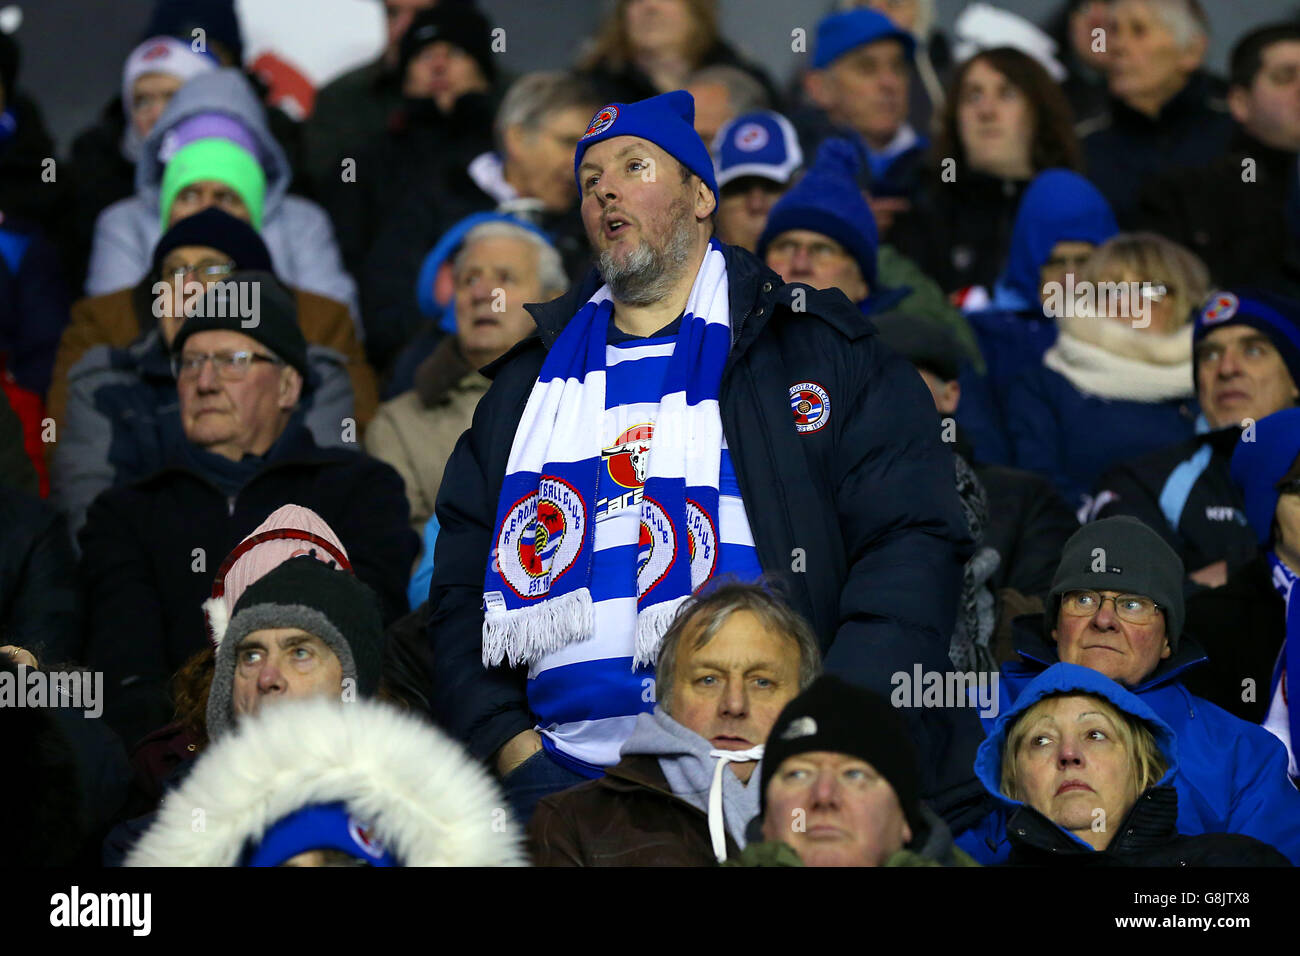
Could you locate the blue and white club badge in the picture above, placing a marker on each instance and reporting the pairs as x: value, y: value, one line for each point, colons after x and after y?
x: 1220, y: 308
x: 602, y: 121
x: 811, y: 406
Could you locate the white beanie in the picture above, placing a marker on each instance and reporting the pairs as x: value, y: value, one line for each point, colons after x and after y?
x: 162, y: 55
x: 982, y: 27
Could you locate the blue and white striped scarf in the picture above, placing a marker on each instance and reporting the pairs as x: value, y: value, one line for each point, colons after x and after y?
x: 1282, y: 721
x: 537, y: 592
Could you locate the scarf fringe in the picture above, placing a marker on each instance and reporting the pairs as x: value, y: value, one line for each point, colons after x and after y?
x: 527, y: 634
x: 652, y: 624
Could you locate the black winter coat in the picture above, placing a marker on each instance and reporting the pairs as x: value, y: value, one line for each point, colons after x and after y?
x: 1147, y: 836
x: 40, y: 606
x: 1130, y: 147
x: 959, y: 232
x: 149, y: 551
x: 421, y: 146
x: 1242, y: 627
x: 868, y: 502
x: 1237, y: 226
x: 1186, y: 493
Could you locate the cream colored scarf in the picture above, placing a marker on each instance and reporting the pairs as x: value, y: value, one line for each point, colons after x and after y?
x: 1106, y: 358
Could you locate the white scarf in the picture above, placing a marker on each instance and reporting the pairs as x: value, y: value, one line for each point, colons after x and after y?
x: 1102, y: 357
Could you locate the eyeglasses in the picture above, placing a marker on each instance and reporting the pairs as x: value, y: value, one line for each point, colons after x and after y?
x: 1134, y: 608
x: 206, y: 270
x: 230, y: 366
x: 821, y: 253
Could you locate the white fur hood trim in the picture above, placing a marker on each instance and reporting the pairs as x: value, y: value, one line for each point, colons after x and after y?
x: 428, y: 801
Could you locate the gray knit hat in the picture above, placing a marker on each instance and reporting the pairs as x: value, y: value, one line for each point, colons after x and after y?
x: 1122, y: 554
x: 310, y: 595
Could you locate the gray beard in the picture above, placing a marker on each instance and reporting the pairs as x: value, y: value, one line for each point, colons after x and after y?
x: 648, y: 274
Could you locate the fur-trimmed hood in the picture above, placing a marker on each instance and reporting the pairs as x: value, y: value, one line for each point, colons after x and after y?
x: 425, y: 798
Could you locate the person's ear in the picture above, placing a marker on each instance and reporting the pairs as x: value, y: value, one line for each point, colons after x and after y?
x: 290, y: 388
x: 1239, y: 104
x: 1167, y: 651
x: 705, y: 201
x: 907, y: 833
x: 817, y: 86
x: 1194, y: 55
x: 512, y: 138
x: 444, y: 285
x: 1054, y: 641
x: 951, y: 396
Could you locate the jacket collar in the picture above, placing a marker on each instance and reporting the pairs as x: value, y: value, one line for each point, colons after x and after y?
x: 753, y: 290
x: 1031, y: 642
x: 1279, y: 162
x: 439, y: 374
x: 1187, y: 103
x: 1150, y: 823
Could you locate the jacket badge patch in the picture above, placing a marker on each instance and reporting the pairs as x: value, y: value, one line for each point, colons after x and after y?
x: 811, y: 406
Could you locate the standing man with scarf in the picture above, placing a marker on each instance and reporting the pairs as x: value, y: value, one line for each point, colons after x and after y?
x: 681, y: 415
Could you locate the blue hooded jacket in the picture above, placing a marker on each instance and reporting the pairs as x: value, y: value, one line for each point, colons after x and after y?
x: 1231, y: 776
x: 1058, y: 679
x: 1058, y: 206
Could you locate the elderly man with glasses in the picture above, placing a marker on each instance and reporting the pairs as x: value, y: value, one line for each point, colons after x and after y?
x: 150, y: 548
x: 116, y: 409
x: 1116, y: 606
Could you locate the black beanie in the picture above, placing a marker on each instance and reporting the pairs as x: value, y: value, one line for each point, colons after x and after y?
x: 835, y: 716
x: 1121, y: 554
x: 315, y: 597
x: 217, y: 18
x: 216, y: 229
x: 458, y: 24
x: 273, y: 324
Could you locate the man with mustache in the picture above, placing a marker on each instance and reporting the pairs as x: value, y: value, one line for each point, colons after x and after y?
x: 783, y: 440
x: 687, y: 784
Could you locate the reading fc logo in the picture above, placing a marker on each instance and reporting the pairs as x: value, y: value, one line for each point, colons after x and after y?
x: 365, y: 838
x: 702, y: 540
x: 750, y: 138
x: 602, y: 121
x: 541, y: 537
x: 1221, y: 308
x: 811, y: 406
x: 657, y: 548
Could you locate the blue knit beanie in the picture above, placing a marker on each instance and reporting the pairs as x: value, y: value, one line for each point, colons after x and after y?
x: 667, y: 120
x: 839, y: 33
x: 1274, y: 315
x: 828, y: 200
x: 1257, y: 467
x: 325, y: 826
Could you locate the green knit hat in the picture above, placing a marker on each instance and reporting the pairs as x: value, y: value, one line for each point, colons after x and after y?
x: 218, y: 159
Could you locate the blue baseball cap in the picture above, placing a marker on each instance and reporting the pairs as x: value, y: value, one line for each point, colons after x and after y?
x: 667, y: 120
x: 326, y: 826
x: 762, y: 143
x: 839, y: 33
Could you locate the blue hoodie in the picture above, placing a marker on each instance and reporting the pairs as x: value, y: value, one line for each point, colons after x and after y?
x: 1059, y: 679
x: 1058, y: 206
x: 1231, y: 776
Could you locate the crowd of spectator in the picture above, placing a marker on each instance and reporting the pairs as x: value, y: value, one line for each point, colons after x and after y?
x: 654, y: 460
